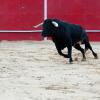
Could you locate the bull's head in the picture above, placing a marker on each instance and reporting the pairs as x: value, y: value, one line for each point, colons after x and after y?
x: 49, y: 28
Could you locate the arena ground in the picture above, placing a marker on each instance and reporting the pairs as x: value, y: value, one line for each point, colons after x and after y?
x: 33, y: 70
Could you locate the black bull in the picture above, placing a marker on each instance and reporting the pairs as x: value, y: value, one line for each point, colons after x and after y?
x: 64, y: 34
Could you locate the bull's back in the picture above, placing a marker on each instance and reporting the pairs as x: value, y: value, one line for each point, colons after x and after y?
x: 76, y: 33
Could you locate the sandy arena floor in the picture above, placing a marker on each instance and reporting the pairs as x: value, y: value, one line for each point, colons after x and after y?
x: 31, y: 70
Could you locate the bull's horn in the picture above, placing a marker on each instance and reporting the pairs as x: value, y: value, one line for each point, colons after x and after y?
x: 36, y: 26
x: 55, y: 23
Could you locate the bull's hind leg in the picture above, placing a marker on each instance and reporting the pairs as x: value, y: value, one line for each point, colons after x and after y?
x: 78, y: 47
x: 88, y: 46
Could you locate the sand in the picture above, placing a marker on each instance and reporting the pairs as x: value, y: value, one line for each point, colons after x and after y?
x: 33, y: 70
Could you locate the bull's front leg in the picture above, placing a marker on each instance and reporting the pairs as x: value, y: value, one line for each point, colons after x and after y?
x: 70, y: 54
x: 60, y: 53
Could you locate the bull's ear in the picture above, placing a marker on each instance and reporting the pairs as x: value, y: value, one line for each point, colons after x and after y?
x: 55, y: 24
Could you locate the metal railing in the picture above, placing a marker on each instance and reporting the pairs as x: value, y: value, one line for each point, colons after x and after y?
x: 30, y: 31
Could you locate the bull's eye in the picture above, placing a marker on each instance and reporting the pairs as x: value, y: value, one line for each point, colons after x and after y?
x: 55, y: 23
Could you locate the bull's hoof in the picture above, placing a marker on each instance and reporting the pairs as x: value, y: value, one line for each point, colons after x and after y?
x: 95, y: 56
x: 71, y: 61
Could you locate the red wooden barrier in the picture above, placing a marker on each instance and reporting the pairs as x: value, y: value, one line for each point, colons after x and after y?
x: 24, y: 14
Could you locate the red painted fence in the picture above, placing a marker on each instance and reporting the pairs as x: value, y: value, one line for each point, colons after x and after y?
x: 22, y: 15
